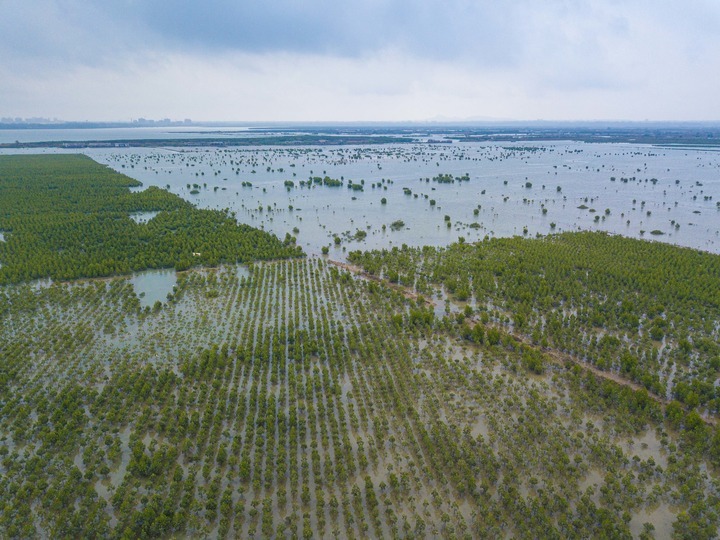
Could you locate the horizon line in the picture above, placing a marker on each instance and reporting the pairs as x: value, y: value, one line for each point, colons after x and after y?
x: 142, y: 122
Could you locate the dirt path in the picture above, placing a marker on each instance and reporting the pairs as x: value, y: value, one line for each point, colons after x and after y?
x: 358, y: 271
x: 562, y: 358
x: 557, y: 356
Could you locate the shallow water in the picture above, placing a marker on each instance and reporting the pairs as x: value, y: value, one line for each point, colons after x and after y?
x: 109, y: 134
x: 649, y: 446
x: 242, y: 271
x: 180, y: 329
x: 153, y: 286
x: 660, y: 517
x: 513, y: 190
x: 142, y: 217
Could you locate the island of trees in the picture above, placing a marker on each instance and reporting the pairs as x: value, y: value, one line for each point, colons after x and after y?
x: 67, y: 217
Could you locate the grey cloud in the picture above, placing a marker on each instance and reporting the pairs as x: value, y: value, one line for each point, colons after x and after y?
x: 483, y: 31
x: 47, y: 34
x: 535, y: 52
x: 488, y: 30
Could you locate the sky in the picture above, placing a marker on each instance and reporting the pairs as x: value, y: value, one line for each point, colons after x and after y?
x: 369, y: 60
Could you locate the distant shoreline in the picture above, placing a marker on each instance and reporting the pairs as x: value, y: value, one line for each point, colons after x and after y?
x: 665, y: 135
x: 309, y: 140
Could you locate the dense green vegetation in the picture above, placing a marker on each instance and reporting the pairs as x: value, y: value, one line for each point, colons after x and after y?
x: 65, y: 217
x: 647, y: 311
x: 303, y: 402
x: 327, y: 181
x: 450, y: 179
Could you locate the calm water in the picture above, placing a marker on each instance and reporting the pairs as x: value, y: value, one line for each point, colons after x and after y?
x: 114, y: 134
x: 671, y: 192
x: 142, y: 217
x: 153, y: 286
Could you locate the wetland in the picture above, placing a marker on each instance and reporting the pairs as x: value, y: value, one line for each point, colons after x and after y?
x: 526, y: 189
x: 248, y: 342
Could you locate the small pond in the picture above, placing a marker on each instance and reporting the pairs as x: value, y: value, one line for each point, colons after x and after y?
x: 153, y: 286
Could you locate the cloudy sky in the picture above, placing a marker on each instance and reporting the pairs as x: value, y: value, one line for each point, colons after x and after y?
x: 329, y: 60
